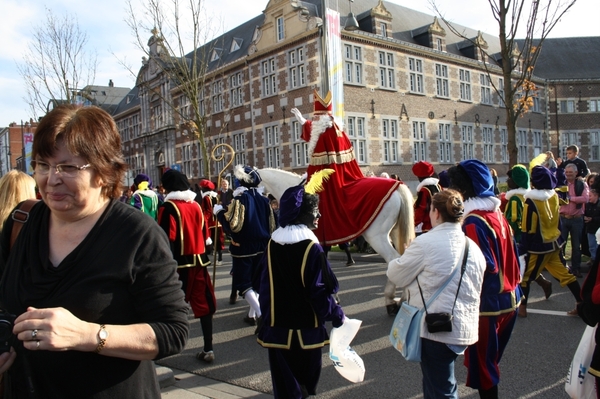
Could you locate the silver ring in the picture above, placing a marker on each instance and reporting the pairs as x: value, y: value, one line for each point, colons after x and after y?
x: 34, y: 333
x: 37, y: 344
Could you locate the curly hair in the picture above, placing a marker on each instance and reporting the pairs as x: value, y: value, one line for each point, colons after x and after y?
x: 461, y: 182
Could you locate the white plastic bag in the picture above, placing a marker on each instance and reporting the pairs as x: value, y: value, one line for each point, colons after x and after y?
x: 345, y: 360
x: 580, y: 384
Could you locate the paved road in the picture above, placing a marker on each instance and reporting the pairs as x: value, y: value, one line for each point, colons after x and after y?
x: 534, y: 365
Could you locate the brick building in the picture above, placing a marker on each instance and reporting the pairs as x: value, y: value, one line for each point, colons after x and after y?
x: 412, y: 90
x: 571, y: 68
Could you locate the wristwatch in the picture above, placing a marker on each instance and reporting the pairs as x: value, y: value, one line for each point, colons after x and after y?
x: 102, y: 337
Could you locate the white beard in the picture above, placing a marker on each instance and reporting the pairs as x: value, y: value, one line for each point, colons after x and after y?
x: 318, y: 127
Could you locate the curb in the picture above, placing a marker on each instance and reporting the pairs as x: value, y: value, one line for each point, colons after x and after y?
x: 165, y: 376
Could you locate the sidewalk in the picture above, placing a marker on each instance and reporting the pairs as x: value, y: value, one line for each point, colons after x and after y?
x: 176, y: 384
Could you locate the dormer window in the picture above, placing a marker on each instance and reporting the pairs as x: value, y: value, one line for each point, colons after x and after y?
x: 383, y: 29
x: 236, y: 44
x: 216, y: 54
x: 438, y: 44
x: 280, y: 29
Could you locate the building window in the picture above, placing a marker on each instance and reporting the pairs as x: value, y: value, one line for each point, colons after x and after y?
x: 356, y: 132
x: 465, y: 84
x: 416, y: 75
x: 391, y: 144
x: 186, y: 160
x: 236, y: 44
x: 438, y: 44
x: 467, y: 142
x: 300, y: 146
x: 184, y: 108
x: 297, y: 73
x: 441, y: 79
x: 239, y: 145
x: 386, y: 70
x: 445, y: 142
x: 235, y: 87
x: 537, y: 143
x: 353, y: 64
x: 595, y: 146
x: 383, y: 29
x: 501, y: 92
x: 594, y: 105
x: 268, y: 77
x: 567, y: 106
x: 419, y: 141
x: 280, y: 29
x: 135, y: 121
x: 156, y: 116
x: 488, y: 144
x: 217, y: 96
x: 272, y: 147
x: 486, y: 89
x: 522, y: 146
x: 504, y: 145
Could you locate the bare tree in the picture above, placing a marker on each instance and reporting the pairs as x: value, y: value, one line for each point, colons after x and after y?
x: 533, y: 18
x: 183, y: 33
x: 57, y: 64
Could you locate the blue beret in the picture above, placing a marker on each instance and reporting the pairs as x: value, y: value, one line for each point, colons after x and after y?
x: 290, y: 204
x: 481, y: 177
x: 542, y: 178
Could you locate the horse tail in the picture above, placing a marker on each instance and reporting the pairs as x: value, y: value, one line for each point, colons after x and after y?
x: 406, y: 219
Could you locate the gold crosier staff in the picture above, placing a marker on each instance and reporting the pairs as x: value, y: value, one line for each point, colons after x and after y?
x: 219, y: 159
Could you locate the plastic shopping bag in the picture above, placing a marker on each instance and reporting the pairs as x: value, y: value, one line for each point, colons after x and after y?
x: 345, y: 360
x: 580, y: 384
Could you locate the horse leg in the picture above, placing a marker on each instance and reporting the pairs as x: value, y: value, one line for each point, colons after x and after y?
x: 378, y: 235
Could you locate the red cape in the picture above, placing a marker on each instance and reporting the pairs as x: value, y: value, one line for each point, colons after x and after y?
x: 350, y: 202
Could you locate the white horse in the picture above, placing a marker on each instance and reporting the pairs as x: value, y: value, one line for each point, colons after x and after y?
x: 395, y: 220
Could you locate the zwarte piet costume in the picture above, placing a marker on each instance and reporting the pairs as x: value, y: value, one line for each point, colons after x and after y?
x: 296, y: 267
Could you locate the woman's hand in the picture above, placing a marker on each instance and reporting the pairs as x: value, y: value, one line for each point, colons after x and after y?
x: 54, y: 329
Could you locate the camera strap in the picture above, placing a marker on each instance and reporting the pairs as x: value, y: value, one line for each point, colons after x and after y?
x: 462, y: 272
x: 20, y: 216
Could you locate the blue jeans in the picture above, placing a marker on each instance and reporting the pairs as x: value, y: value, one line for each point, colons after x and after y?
x: 593, y: 245
x: 437, y: 365
x: 574, y: 227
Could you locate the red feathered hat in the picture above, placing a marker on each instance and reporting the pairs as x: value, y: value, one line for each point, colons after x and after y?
x: 423, y: 169
x: 207, y: 184
x: 323, y: 106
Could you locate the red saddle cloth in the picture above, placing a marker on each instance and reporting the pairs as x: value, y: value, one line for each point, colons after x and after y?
x: 350, y: 202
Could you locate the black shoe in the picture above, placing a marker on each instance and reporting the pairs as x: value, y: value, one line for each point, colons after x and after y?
x: 259, y: 322
x: 250, y: 320
x: 233, y: 298
x: 392, y: 310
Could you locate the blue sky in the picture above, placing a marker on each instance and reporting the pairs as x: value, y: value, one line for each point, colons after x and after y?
x: 104, y: 22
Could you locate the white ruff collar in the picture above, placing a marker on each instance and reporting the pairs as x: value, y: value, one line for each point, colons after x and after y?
x: 481, y: 204
x: 187, y: 196
x: 430, y: 181
x: 516, y: 191
x: 540, y: 195
x: 292, y: 234
x: 211, y: 194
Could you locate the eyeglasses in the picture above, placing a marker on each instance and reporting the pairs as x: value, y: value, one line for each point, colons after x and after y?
x: 43, y: 168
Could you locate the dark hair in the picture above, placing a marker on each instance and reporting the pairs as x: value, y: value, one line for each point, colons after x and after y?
x: 460, y: 181
x: 88, y: 132
x: 449, y: 204
x: 310, y: 202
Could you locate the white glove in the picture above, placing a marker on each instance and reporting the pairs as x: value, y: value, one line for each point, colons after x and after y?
x: 217, y: 208
x: 298, y: 116
x: 209, y: 241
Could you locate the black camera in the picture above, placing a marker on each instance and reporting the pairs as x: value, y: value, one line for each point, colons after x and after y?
x: 7, y: 338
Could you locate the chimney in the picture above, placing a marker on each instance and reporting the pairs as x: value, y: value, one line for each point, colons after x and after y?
x: 110, y: 83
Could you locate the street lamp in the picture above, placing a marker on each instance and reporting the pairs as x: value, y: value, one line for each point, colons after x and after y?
x: 351, y: 22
